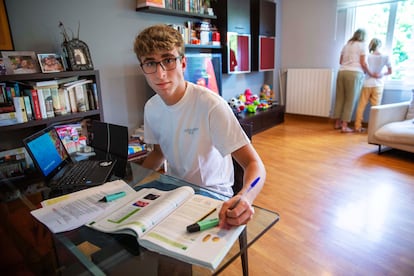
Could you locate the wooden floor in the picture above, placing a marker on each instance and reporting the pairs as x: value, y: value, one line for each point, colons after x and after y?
x: 344, y: 209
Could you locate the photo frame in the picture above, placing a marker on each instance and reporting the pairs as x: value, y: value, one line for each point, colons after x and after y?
x: 20, y: 62
x: 51, y: 62
x: 77, y: 54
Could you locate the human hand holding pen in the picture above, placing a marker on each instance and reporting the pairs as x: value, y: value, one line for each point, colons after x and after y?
x: 237, y: 210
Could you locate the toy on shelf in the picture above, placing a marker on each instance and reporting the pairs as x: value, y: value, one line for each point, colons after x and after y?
x: 237, y: 105
x: 266, y: 93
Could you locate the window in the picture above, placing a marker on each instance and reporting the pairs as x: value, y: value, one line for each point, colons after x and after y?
x: 392, y: 23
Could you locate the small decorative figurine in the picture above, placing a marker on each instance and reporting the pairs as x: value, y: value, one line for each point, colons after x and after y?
x: 267, y: 93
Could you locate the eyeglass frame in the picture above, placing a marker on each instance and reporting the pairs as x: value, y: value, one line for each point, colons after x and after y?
x: 160, y: 63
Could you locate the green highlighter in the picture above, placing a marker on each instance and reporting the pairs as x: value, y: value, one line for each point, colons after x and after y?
x: 203, y: 225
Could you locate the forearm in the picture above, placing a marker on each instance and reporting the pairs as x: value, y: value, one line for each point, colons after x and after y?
x: 251, y: 173
x: 154, y: 160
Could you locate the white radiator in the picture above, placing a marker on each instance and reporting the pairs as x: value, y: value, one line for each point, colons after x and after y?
x: 309, y: 91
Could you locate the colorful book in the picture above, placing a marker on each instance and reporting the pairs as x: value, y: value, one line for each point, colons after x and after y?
x: 28, y: 107
x: 34, y: 99
x: 42, y: 103
x: 150, y: 3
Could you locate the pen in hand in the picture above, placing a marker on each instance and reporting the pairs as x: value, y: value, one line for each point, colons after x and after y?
x: 246, y: 192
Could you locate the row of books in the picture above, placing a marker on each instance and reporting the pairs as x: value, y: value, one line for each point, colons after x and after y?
x: 21, y: 102
x: 193, y: 6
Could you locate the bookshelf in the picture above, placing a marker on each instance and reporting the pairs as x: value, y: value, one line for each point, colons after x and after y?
x: 12, y: 135
x: 173, y: 12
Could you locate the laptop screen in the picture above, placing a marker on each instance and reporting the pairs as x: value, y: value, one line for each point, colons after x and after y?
x: 47, y: 151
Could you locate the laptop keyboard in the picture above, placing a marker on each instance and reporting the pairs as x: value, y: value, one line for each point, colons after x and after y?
x: 79, y: 175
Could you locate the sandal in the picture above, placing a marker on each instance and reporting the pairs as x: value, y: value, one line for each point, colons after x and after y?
x: 347, y: 130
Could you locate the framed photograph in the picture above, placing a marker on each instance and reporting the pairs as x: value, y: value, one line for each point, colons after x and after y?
x: 20, y: 62
x: 78, y: 56
x: 51, y: 63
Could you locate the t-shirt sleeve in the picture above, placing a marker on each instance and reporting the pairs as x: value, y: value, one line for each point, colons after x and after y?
x: 225, y: 130
x: 149, y: 135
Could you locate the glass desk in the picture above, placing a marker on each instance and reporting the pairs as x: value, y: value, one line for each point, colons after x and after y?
x: 85, y: 251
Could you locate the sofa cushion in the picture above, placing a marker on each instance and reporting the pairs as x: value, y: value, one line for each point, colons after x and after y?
x: 397, y: 132
x: 410, y: 112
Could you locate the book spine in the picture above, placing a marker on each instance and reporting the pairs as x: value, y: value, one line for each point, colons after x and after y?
x: 63, y: 101
x: 47, y: 96
x: 72, y: 100
x: 150, y: 3
x: 42, y: 103
x: 7, y: 108
x: 67, y: 100
x: 80, y: 98
x: 57, y: 105
x: 8, y: 115
x: 21, y: 114
x: 95, y: 95
x: 91, y: 98
x: 3, y: 93
x: 85, y: 96
x: 28, y: 107
x: 36, y: 104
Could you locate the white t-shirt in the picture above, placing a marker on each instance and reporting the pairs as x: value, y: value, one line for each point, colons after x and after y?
x: 376, y: 64
x: 197, y: 136
x: 351, y: 53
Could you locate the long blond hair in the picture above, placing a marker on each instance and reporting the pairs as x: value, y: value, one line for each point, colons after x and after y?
x: 359, y: 35
x: 374, y: 45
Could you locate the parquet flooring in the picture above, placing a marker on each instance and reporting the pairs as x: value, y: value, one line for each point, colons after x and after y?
x: 345, y: 210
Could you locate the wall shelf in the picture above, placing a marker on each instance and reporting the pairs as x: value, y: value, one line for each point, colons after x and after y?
x: 172, y: 12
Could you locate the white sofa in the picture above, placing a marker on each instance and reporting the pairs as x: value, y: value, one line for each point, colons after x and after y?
x: 388, y: 126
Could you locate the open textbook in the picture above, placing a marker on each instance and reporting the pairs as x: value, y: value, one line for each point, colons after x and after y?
x: 159, y: 219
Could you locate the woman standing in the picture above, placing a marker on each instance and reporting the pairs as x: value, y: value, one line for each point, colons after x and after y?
x: 373, y: 86
x: 349, y: 80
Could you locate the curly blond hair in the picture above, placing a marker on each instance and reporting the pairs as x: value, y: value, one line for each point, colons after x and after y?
x: 158, y: 38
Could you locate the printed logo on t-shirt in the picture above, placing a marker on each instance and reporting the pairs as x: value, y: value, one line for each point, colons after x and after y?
x: 191, y: 131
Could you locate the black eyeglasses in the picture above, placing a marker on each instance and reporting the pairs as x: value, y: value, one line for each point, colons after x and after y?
x: 166, y: 64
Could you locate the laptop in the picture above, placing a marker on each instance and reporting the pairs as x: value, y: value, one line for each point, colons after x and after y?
x: 61, y: 174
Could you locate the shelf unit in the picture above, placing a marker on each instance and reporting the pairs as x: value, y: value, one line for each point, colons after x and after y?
x: 172, y: 12
x: 12, y: 135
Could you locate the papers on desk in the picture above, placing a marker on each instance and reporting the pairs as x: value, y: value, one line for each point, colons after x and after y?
x: 73, y: 210
x: 157, y: 218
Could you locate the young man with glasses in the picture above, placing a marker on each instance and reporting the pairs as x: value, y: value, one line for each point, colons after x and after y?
x: 193, y: 128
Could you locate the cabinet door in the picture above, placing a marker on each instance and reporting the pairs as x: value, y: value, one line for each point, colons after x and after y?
x: 238, y: 16
x: 267, y: 18
x: 266, y: 53
x: 238, y: 53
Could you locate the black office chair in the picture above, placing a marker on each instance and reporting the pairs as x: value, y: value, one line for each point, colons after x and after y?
x: 237, y: 186
x: 110, y: 141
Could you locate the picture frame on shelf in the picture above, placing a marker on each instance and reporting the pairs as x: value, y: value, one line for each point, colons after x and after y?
x: 77, y: 55
x: 20, y: 62
x: 50, y: 63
